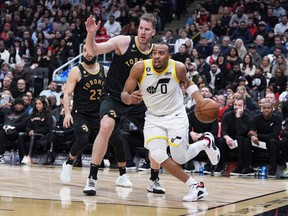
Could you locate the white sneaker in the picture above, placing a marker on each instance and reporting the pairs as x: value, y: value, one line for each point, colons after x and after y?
x: 123, y: 181
x: 155, y: 187
x: 211, y: 150
x: 196, y: 192
x: 27, y: 160
x: 65, y: 174
x: 90, y: 188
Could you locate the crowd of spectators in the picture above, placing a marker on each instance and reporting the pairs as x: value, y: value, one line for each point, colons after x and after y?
x: 36, y: 37
x: 229, y: 48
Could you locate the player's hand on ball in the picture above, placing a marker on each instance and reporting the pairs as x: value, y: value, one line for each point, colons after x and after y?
x: 136, y: 97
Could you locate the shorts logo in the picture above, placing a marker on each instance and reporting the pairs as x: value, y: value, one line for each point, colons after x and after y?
x: 112, y: 114
x: 84, y: 128
x: 176, y: 138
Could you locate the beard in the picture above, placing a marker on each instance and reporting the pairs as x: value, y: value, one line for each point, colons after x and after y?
x: 90, y: 62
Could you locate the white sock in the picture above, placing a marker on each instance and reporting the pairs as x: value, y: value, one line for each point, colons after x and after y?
x: 190, y: 181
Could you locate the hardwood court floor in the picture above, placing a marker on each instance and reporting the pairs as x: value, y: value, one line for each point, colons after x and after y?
x: 37, y: 190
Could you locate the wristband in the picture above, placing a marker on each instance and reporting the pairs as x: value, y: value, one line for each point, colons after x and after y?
x: 191, y: 89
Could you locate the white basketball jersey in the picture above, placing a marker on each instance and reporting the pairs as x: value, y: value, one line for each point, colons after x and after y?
x: 162, y: 92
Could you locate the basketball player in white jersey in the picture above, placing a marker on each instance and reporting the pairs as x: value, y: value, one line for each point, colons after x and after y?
x: 166, y: 121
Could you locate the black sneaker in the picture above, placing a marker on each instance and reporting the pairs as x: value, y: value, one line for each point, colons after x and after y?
x: 130, y: 165
x: 208, y: 168
x: 272, y: 172
x: 145, y: 166
x: 219, y: 170
x: 189, y: 167
x: 248, y: 172
x: 236, y: 172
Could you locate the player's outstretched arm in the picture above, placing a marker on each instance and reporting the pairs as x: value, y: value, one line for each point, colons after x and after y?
x: 128, y: 95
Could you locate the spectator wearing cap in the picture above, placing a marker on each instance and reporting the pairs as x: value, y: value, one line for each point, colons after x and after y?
x: 281, y: 26
x: 256, y: 58
x: 191, y: 68
x: 258, y: 84
x: 15, y: 121
x: 113, y: 27
x: 261, y: 49
x: 182, y: 40
x: 261, y: 30
x: 15, y: 53
x: 216, y: 79
x: 203, y: 67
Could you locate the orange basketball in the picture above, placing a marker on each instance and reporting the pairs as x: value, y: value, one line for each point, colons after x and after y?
x: 206, y: 110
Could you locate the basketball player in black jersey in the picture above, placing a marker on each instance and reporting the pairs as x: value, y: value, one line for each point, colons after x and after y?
x: 128, y: 50
x: 85, y: 84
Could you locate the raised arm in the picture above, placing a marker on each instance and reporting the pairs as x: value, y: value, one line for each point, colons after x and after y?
x: 118, y: 43
x: 127, y: 95
x: 190, y: 86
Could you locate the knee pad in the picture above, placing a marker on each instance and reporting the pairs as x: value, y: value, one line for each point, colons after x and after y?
x: 159, y: 155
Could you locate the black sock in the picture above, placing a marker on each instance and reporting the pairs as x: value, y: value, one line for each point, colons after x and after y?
x: 93, y: 171
x: 70, y: 161
x: 122, y: 170
x: 154, y: 174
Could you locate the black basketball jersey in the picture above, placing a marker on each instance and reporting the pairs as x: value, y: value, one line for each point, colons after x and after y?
x: 88, y: 90
x: 120, y: 68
